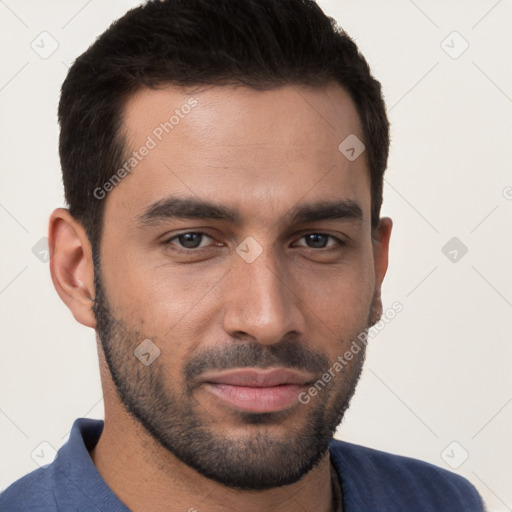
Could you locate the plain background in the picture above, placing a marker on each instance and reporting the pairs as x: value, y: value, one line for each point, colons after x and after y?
x: 437, y: 383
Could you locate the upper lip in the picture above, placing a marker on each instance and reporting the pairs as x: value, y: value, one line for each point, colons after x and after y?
x: 259, y: 378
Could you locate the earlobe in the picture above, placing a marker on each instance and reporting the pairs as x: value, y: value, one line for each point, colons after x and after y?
x: 71, y: 265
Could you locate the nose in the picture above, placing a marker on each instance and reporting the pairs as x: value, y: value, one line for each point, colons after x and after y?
x: 261, y: 301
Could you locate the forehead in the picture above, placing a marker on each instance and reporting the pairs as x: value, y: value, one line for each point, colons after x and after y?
x: 257, y: 151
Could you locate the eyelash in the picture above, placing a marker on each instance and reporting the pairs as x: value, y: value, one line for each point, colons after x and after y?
x: 339, y: 242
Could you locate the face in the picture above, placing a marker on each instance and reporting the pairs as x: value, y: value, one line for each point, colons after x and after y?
x: 240, y: 246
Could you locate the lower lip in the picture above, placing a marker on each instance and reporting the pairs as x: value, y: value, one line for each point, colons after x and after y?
x: 259, y: 400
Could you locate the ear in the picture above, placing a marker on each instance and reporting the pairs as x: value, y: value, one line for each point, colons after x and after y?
x: 71, y: 265
x: 380, y: 241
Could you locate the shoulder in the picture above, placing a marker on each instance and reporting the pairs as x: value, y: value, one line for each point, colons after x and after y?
x: 59, y: 485
x: 33, y: 491
x: 403, y: 480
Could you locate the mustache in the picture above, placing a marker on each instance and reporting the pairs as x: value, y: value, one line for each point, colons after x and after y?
x: 286, y: 354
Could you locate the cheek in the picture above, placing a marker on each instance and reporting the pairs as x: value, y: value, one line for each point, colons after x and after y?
x: 341, y: 298
x: 142, y: 281
x: 169, y: 305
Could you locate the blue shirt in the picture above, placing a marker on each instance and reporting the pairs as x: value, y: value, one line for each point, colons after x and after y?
x: 372, y: 481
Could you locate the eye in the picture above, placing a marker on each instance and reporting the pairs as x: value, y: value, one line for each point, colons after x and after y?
x: 320, y: 241
x: 190, y: 240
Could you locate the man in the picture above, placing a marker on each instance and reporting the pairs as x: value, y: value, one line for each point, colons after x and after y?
x: 223, y: 166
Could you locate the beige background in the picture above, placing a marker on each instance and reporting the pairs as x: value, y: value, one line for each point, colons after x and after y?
x: 437, y: 384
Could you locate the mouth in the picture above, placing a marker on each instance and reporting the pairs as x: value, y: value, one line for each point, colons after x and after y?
x: 258, y: 391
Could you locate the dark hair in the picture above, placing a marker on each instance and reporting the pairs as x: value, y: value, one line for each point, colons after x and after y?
x: 259, y: 43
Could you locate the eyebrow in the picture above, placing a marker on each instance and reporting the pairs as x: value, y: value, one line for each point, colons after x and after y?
x: 327, y: 210
x: 173, y: 207
x: 186, y: 208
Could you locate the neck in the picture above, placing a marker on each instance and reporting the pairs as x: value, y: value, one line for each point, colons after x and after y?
x: 145, y: 476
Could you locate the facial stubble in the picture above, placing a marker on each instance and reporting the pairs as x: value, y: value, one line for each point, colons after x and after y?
x: 167, y: 407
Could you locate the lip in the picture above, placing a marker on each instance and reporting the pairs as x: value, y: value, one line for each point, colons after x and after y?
x: 258, y: 391
x: 253, y: 377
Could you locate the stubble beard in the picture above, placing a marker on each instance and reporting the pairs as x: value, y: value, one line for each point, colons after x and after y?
x: 256, y: 459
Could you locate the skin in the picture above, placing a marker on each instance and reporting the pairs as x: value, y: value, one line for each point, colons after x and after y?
x: 261, y: 153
